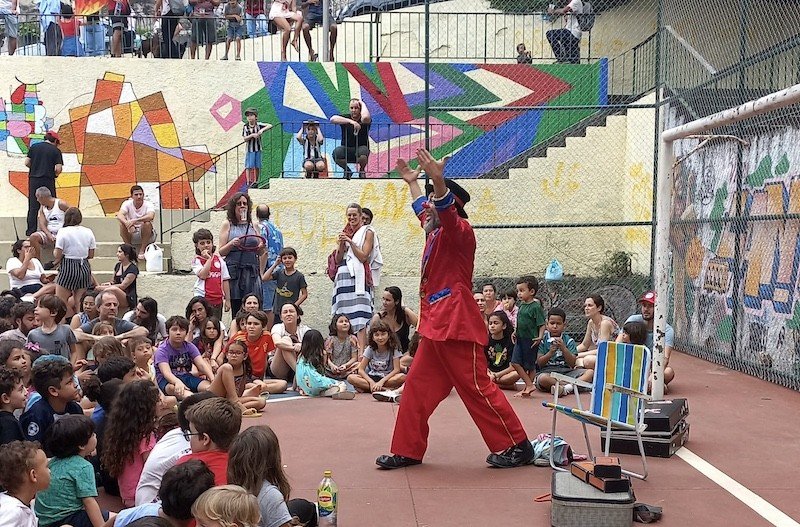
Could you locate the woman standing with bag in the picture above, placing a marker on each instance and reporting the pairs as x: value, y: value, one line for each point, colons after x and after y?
x: 242, y: 246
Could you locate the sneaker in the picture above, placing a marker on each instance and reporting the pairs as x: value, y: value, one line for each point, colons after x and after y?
x: 568, y: 389
x: 386, y: 396
x: 238, y: 58
x: 330, y: 392
x: 518, y: 455
x: 224, y: 58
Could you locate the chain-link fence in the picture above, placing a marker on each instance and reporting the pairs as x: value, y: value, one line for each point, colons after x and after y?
x: 734, y: 223
x: 562, y: 149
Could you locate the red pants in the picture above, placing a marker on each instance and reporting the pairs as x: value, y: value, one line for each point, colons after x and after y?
x: 437, y: 368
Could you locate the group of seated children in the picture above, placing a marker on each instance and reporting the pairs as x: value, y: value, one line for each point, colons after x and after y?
x: 529, y: 350
x: 162, y: 463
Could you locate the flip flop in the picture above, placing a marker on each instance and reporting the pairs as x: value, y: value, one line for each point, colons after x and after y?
x: 264, y: 395
x: 251, y: 413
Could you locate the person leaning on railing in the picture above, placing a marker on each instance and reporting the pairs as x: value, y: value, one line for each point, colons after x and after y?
x: 8, y: 14
x: 170, y: 12
x: 566, y: 41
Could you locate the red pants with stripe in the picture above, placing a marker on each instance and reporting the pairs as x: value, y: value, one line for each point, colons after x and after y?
x: 437, y: 368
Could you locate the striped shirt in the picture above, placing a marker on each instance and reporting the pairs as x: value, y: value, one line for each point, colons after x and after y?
x: 253, y: 145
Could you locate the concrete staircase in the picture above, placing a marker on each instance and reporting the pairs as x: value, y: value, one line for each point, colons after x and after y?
x: 106, y: 231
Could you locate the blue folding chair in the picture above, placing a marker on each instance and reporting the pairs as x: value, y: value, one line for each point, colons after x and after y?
x: 619, y: 391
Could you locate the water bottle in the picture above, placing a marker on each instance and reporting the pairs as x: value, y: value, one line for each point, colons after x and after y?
x: 327, y: 501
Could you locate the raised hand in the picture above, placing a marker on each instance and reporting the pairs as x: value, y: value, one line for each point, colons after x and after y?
x: 406, y: 172
x: 433, y: 167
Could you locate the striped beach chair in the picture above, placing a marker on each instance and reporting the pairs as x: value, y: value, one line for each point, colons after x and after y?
x: 618, y: 394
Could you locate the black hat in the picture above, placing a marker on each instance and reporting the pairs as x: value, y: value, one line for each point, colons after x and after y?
x: 304, y: 510
x: 461, y: 195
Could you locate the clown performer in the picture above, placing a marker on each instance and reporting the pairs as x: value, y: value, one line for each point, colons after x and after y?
x: 450, y: 353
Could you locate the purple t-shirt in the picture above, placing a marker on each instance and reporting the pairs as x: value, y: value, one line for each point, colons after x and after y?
x: 180, y: 360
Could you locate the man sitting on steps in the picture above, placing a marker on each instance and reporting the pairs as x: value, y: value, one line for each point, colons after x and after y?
x: 50, y: 221
x: 136, y: 220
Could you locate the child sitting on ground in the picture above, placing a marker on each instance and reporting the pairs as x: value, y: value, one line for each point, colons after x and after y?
x: 209, y: 342
x: 227, y: 505
x: 234, y: 380
x: 310, y: 373
x: 557, y: 354
x: 341, y: 349
x: 213, y: 424
x: 14, y: 357
x: 25, y: 473
x: 259, y: 345
x: 499, y: 350
x: 528, y: 333
x: 393, y: 396
x: 53, y: 337
x: 212, y: 273
x: 53, y: 380
x: 172, y: 446
x: 12, y: 398
x: 129, y: 436
x: 634, y: 333
x: 180, y: 487
x: 509, y: 301
x: 140, y: 351
x: 174, y: 359
x: 71, y: 498
x: 380, y: 366
x: 255, y: 464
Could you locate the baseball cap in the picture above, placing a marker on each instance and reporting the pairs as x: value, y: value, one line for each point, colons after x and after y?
x: 54, y: 135
x: 648, y: 298
x: 251, y: 110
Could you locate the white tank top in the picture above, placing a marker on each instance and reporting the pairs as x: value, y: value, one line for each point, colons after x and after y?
x: 54, y: 217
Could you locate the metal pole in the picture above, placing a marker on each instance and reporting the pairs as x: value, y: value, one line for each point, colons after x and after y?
x: 326, y: 28
x: 662, y: 266
x: 427, y: 78
x: 658, y: 129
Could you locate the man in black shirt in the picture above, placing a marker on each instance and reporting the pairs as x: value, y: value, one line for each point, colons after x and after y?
x: 44, y: 163
x: 355, y: 138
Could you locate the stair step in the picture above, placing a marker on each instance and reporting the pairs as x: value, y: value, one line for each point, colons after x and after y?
x: 101, y: 276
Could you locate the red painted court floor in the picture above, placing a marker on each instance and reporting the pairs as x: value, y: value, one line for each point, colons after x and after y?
x: 745, y: 427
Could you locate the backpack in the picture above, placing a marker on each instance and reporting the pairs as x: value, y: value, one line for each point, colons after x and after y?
x: 586, y: 19
x: 562, y: 455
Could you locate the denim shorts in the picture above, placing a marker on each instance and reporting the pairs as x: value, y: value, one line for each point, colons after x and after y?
x: 253, y: 160
x: 235, y: 31
x: 268, y: 294
x: 191, y: 382
x: 523, y: 354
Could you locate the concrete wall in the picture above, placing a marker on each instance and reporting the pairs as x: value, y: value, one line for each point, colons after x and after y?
x: 603, y: 177
x: 122, y: 124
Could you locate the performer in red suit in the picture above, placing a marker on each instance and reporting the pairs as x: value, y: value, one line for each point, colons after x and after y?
x: 450, y: 353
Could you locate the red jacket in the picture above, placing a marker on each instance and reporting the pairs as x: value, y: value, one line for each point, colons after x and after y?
x: 447, y: 309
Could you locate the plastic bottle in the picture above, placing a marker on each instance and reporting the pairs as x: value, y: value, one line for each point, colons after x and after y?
x: 327, y: 501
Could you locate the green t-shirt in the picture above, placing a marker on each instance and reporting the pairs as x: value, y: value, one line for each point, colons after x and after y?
x: 557, y: 361
x: 529, y: 319
x: 71, y: 480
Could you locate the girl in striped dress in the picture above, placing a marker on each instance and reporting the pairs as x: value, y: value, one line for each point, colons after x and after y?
x: 75, y: 246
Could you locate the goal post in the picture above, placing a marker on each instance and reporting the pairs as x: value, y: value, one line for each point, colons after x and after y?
x: 666, y: 173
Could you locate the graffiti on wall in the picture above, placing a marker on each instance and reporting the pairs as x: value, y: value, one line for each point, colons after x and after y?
x: 478, y: 140
x: 23, y: 119
x: 118, y: 140
x: 705, y: 266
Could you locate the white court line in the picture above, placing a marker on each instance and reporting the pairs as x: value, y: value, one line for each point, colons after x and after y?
x: 759, y: 505
x: 284, y: 399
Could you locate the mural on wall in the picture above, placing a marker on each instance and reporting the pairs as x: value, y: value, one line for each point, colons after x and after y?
x: 768, y: 268
x: 119, y: 140
x: 477, y: 140
x: 23, y: 119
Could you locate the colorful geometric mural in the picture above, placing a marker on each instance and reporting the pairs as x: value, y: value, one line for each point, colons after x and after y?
x: 23, y: 119
x: 707, y: 265
x: 119, y: 140
x: 477, y: 140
